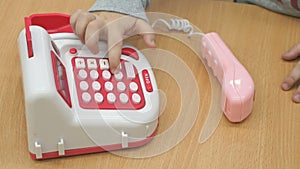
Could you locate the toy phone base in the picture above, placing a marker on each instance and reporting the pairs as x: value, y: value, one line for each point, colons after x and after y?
x: 96, y: 149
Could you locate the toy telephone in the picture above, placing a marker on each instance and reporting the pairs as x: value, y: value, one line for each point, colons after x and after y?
x: 74, y: 104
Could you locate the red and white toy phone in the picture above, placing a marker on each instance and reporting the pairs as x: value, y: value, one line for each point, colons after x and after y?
x: 74, y: 105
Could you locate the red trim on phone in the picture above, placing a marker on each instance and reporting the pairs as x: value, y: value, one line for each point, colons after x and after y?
x: 61, y: 82
x: 96, y: 149
x: 130, y: 52
x: 52, y: 23
x: 147, y: 80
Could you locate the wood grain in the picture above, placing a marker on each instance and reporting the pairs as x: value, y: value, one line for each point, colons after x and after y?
x: 268, y: 139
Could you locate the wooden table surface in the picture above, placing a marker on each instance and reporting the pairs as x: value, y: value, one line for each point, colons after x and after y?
x: 268, y: 139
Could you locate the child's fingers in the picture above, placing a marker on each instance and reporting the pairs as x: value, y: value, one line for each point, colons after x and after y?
x: 146, y: 31
x: 149, y: 40
x: 115, y: 42
x: 293, y: 53
x: 74, y: 18
x: 92, y: 34
x: 82, y: 22
x: 292, y: 78
x: 296, y: 96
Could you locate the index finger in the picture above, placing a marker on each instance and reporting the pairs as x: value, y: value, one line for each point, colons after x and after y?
x: 115, y: 43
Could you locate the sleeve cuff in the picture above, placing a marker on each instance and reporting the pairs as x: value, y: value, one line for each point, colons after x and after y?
x: 135, y: 8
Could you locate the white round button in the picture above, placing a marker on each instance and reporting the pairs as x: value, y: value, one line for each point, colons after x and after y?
x: 123, y: 98
x: 121, y: 86
x: 86, y: 97
x: 111, y: 98
x: 106, y: 75
x: 136, y: 98
x: 133, y: 87
x: 84, y: 86
x: 118, y: 76
x: 98, y: 97
x: 94, y: 74
x: 96, y: 86
x: 108, y: 86
x: 82, y: 74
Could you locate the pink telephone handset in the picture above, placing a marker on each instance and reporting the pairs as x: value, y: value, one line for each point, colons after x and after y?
x: 237, y: 85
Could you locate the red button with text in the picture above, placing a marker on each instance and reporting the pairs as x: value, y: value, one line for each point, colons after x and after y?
x: 147, y: 80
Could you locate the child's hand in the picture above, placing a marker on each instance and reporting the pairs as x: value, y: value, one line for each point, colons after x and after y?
x: 112, y: 27
x: 294, y: 75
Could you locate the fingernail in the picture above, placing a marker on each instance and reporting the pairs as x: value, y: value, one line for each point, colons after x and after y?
x: 153, y: 42
x: 95, y: 51
x: 285, y: 86
x: 289, y: 54
x: 115, y: 70
x: 285, y: 53
x: 112, y: 70
x: 296, y: 98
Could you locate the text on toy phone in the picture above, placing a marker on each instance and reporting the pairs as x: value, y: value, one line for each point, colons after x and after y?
x: 147, y: 80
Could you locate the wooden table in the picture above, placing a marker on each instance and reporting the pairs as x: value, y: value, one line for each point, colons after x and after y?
x: 269, y: 138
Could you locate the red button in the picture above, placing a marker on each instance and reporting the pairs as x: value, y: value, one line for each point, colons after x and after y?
x: 73, y: 51
x: 130, y: 52
x: 147, y: 80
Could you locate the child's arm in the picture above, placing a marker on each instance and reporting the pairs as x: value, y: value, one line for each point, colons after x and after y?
x: 288, y: 7
x: 134, y: 8
x: 294, y: 75
x: 108, y: 20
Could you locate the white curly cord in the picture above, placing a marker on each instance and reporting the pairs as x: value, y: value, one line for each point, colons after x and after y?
x: 179, y: 25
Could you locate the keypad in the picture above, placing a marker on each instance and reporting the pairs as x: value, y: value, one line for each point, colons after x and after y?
x: 98, y: 88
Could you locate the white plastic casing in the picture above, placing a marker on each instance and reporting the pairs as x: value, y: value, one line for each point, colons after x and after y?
x: 56, y: 129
